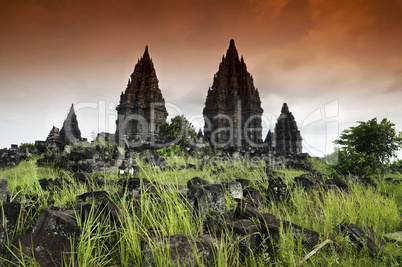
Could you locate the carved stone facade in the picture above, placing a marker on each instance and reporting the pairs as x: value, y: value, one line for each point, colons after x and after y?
x: 232, y: 111
x: 142, y: 109
x: 53, y: 139
x: 286, y: 138
x: 70, y: 132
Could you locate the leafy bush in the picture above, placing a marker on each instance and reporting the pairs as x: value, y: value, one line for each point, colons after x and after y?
x: 27, y: 146
x: 172, y: 150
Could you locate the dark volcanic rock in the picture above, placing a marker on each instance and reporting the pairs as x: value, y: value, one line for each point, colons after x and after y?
x: 234, y: 189
x: 196, y: 181
x: 57, y: 223
x: 245, y: 183
x: 278, y: 192
x: 247, y: 233
x: 47, y: 250
x: 3, y: 189
x: 92, y: 196
x: 338, y: 183
x: 181, y: 250
x: 363, y: 237
x: 11, y: 212
x: 255, y: 196
x: 207, y: 198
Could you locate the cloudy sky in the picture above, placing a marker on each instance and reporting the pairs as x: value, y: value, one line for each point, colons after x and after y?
x: 333, y: 62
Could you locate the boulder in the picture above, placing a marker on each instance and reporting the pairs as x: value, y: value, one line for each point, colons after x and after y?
x: 180, y: 250
x: 247, y: 233
x: 12, y: 212
x: 207, y: 198
x: 3, y: 189
x: 57, y: 223
x: 47, y: 250
x: 234, y: 189
x: 364, y: 237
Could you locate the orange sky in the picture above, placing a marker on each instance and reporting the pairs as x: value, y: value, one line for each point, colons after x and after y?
x: 307, y: 53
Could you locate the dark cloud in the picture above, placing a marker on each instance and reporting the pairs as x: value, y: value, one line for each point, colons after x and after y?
x: 304, y: 52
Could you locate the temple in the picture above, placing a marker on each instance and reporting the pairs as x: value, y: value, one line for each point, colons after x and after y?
x: 286, y: 138
x: 142, y: 109
x: 232, y: 112
x: 70, y: 132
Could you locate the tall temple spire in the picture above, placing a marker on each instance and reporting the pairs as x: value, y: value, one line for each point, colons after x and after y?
x: 70, y: 132
x: 232, y: 109
x: 287, y: 136
x: 142, y: 107
x: 146, y: 53
x: 231, y: 53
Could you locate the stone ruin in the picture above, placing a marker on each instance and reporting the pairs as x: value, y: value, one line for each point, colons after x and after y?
x: 232, y: 115
x: 141, y: 110
x: 287, y: 138
x: 70, y: 132
x: 56, y: 230
x: 232, y: 111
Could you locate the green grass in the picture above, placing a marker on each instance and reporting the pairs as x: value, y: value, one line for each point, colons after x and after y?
x: 105, y: 244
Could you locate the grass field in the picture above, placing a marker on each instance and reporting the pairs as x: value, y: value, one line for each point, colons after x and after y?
x: 318, y: 210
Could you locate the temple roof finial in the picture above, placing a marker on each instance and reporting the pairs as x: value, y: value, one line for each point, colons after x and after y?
x: 232, y: 43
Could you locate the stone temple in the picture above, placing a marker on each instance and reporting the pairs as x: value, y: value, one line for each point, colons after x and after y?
x: 142, y: 109
x: 286, y: 138
x: 232, y: 111
x: 70, y: 132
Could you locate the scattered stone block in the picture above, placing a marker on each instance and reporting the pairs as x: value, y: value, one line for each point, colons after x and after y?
x: 246, y: 210
x: 47, y: 250
x: 247, y: 232
x: 11, y: 211
x: 254, y: 196
x: 207, y: 198
x: 182, y: 250
x: 82, y: 177
x: 234, y: 189
x: 191, y: 166
x: 56, y: 223
x: 196, y: 181
x: 363, y: 237
x: 367, y: 182
x: 306, y: 181
x: 245, y: 183
x: 133, y: 186
x: 278, y: 192
x: 216, y: 222
x: 338, y: 183
x: 93, y: 196
x: 214, y: 242
x: 113, y: 211
x: 3, y: 189
x: 311, y: 238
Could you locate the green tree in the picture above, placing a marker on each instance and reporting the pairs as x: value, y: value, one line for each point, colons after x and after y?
x: 368, y: 148
x: 179, y: 131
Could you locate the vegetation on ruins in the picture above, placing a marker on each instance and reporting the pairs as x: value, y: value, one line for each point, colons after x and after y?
x: 103, y: 243
x: 368, y: 148
x: 179, y: 131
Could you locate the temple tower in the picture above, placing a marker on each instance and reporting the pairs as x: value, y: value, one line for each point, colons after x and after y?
x: 287, y: 136
x: 142, y: 107
x: 232, y: 111
x: 70, y: 132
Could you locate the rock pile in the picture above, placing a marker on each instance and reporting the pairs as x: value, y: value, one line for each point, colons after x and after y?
x: 56, y: 232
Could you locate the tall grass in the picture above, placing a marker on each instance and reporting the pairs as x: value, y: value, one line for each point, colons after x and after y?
x: 103, y: 243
